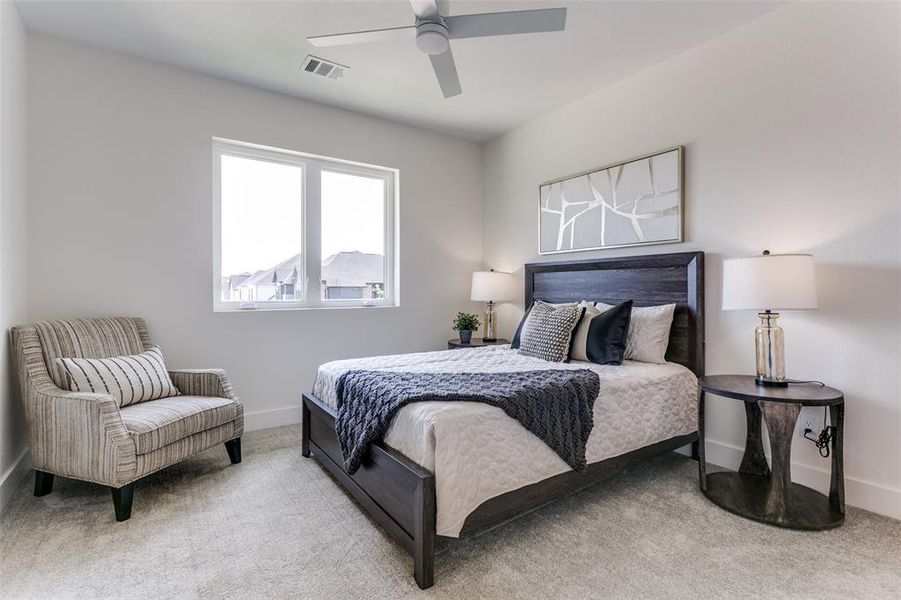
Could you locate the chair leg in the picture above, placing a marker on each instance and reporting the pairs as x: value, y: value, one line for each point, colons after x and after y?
x: 233, y: 447
x: 122, y: 500
x: 43, y: 483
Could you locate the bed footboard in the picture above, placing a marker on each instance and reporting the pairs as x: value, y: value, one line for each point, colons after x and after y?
x: 398, y: 493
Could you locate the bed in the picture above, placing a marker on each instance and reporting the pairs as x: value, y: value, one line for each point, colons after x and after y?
x: 447, y: 469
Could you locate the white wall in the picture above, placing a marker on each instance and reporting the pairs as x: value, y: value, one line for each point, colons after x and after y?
x: 13, y: 240
x: 792, y: 132
x: 120, y: 193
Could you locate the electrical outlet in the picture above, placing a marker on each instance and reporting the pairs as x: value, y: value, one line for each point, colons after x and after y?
x: 806, y: 425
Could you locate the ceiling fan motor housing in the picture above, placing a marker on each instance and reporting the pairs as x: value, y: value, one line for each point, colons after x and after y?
x: 432, y: 38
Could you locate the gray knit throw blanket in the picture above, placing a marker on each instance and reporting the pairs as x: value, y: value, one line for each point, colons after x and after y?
x: 555, y: 405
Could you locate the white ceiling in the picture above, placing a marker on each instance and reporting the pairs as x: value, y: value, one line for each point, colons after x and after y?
x: 506, y: 80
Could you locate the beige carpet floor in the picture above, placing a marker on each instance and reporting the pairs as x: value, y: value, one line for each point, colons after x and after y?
x: 276, y: 526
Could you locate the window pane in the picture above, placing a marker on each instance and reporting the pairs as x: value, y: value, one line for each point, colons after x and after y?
x: 353, y: 237
x: 262, y: 211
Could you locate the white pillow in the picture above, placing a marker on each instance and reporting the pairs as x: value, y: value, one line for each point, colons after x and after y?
x: 648, y: 332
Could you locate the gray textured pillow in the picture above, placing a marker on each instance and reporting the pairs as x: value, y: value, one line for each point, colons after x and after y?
x: 548, y: 331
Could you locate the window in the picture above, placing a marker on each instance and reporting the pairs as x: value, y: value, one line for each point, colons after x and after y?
x: 293, y: 230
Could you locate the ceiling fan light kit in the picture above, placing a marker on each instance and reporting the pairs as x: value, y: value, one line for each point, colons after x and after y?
x: 433, y: 32
x: 432, y: 38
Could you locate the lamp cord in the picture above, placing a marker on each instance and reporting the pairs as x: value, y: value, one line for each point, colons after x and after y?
x: 824, y: 441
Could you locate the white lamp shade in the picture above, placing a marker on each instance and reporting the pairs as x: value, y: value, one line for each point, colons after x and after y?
x: 771, y: 282
x: 492, y: 286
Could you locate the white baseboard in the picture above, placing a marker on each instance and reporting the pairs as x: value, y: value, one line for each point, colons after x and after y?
x: 261, y: 419
x: 862, y: 494
x: 275, y: 417
x: 13, y: 477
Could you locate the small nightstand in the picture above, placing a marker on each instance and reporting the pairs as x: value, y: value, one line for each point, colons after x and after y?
x: 755, y: 491
x: 474, y: 343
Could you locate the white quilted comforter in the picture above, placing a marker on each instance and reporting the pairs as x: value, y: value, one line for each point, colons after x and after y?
x: 477, y: 452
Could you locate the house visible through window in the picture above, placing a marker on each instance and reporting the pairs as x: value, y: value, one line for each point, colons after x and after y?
x: 352, y: 217
x: 295, y: 231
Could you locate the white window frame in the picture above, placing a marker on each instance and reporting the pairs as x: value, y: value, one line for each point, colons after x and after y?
x: 311, y: 226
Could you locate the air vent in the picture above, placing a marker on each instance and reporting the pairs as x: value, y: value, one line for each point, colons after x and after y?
x: 323, y: 68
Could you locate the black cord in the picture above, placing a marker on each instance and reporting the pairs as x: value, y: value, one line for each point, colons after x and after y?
x: 823, y: 442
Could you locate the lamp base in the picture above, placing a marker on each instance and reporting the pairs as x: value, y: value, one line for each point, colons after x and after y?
x: 770, y: 350
x: 490, y: 324
x: 770, y: 382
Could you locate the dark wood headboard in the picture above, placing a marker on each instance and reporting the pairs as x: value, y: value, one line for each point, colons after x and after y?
x: 648, y: 280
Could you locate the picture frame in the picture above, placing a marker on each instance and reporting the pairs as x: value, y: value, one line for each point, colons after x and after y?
x: 636, y: 202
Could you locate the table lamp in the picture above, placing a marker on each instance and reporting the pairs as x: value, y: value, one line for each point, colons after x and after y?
x: 769, y: 283
x: 491, y: 286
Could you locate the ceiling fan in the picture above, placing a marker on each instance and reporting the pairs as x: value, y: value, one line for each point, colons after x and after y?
x: 433, y: 33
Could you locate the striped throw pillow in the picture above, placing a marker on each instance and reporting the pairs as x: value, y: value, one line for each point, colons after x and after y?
x: 128, y: 379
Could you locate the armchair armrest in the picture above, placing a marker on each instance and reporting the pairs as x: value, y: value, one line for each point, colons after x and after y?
x: 73, y: 434
x: 80, y: 435
x: 203, y: 382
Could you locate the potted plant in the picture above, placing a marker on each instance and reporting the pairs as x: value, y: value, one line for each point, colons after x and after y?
x: 464, y: 325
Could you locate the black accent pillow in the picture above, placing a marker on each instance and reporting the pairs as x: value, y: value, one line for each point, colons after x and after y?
x: 514, y: 344
x: 607, y: 335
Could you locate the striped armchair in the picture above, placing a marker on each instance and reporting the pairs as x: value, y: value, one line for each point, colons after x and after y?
x: 88, y: 436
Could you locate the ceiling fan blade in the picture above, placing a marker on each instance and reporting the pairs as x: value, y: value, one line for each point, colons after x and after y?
x: 425, y: 9
x: 364, y: 37
x: 446, y: 72
x: 506, y: 23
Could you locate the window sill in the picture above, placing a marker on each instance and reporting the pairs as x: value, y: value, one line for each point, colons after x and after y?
x: 230, y: 309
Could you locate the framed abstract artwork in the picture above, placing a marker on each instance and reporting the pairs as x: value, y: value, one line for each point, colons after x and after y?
x: 631, y: 203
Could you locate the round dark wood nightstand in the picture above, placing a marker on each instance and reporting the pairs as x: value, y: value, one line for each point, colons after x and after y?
x: 756, y: 492
x: 474, y: 343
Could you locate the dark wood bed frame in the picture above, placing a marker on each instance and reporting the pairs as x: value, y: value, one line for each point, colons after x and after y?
x: 400, y: 494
